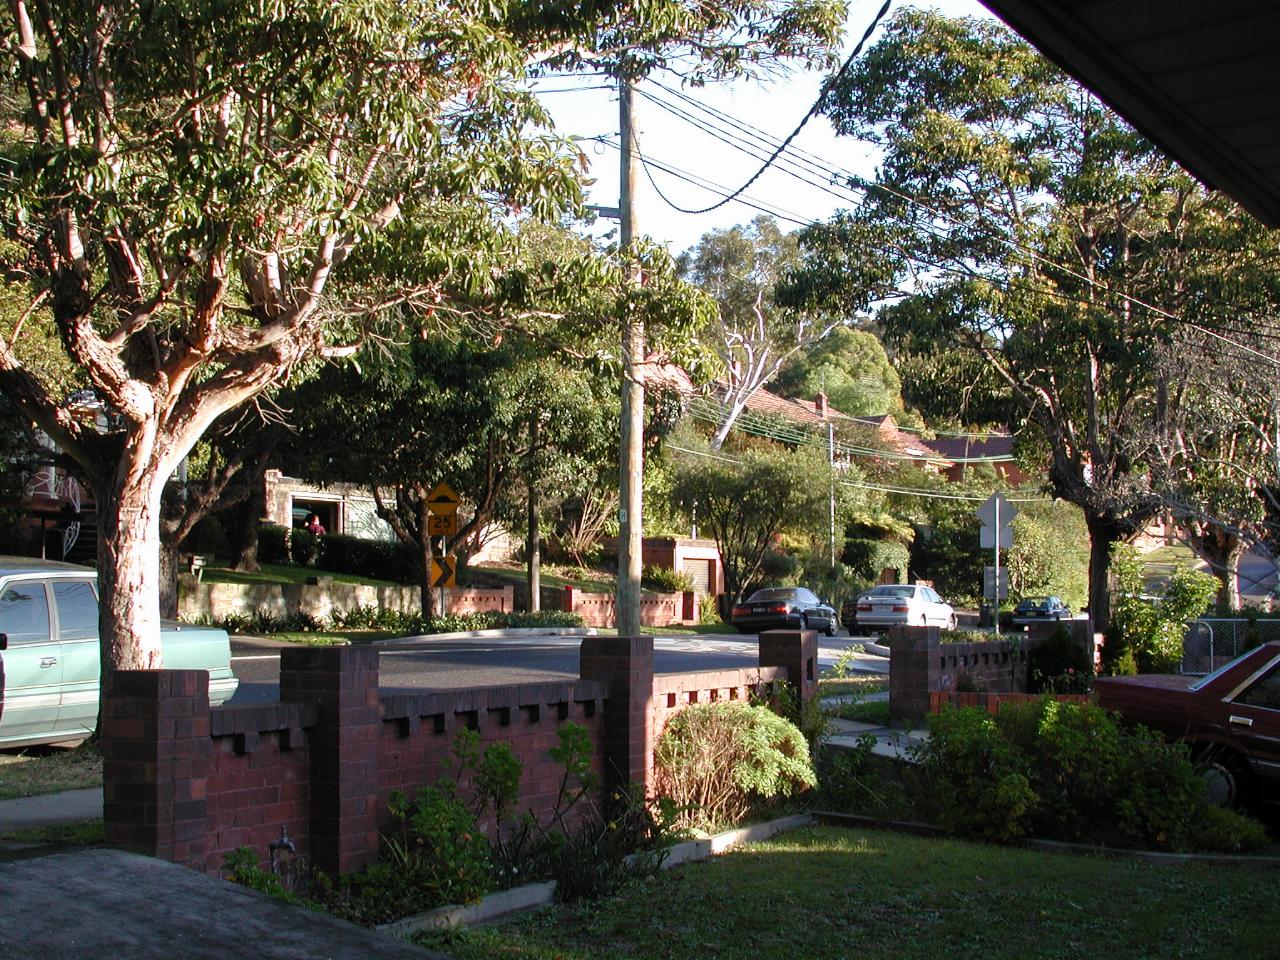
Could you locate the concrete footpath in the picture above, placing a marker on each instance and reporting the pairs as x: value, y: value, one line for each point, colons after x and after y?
x: 106, y: 903
x: 69, y: 806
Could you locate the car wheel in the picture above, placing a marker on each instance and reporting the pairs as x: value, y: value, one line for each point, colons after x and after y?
x: 924, y: 620
x: 1226, y: 777
x: 831, y: 628
x: 951, y: 622
x: 804, y: 622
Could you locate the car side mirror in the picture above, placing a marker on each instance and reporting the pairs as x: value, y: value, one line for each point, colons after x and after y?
x: 4, y: 641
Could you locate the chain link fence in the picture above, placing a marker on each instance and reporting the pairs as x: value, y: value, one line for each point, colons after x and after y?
x: 1212, y: 641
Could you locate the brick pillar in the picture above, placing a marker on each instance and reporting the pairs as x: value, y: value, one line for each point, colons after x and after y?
x: 797, y: 652
x: 343, y: 683
x: 626, y: 665
x: 155, y: 763
x: 567, y: 602
x: 914, y: 670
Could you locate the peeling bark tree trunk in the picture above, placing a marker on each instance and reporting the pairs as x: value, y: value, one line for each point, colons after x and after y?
x: 168, y: 579
x: 129, y: 567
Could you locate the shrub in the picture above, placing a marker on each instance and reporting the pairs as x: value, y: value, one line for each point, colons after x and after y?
x: 1153, y: 628
x: 1068, y: 772
x: 978, y: 783
x: 715, y: 760
x: 1059, y: 664
x: 665, y: 580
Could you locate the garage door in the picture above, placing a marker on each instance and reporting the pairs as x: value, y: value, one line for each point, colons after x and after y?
x: 699, y: 571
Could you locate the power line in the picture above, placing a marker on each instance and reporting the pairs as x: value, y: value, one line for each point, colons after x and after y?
x: 817, y: 165
x: 813, y: 110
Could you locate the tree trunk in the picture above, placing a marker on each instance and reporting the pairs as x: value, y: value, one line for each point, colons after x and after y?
x: 129, y: 568
x: 168, y: 567
x: 533, y: 548
x: 245, y: 523
x: 1102, y: 536
x: 1222, y: 550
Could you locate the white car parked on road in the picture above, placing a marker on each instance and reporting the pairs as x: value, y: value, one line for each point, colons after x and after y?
x: 902, y: 605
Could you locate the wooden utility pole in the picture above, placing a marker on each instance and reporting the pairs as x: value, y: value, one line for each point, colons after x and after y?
x: 631, y: 452
x: 533, y: 543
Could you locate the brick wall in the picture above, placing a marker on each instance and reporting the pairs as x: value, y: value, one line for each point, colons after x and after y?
x: 991, y: 701
x: 190, y: 783
x: 920, y: 664
x: 656, y: 609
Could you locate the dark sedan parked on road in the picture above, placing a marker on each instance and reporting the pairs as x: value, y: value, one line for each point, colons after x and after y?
x: 1038, y: 609
x: 1230, y: 719
x: 784, y: 608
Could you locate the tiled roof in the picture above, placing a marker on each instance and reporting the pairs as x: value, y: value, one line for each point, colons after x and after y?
x: 969, y: 448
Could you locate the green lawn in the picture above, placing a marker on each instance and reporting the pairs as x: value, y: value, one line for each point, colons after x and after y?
x: 39, y: 770
x: 285, y: 573
x: 832, y: 893
x: 332, y: 638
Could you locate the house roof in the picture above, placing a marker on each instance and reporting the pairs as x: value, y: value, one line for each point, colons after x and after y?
x: 1200, y: 79
x: 972, y: 448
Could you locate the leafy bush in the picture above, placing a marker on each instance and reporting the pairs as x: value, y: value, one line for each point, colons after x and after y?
x: 978, y: 782
x: 855, y: 781
x: 339, y: 553
x: 707, y: 610
x: 1069, y: 772
x: 1153, y: 628
x: 715, y: 760
x: 1059, y: 664
x: 665, y: 580
x: 867, y: 558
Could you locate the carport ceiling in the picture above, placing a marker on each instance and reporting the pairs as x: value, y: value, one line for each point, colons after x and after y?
x: 1199, y: 77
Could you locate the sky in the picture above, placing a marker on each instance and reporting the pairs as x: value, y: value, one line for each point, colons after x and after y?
x: 585, y: 107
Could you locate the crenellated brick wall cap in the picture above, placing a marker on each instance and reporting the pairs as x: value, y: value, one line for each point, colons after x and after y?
x: 155, y: 756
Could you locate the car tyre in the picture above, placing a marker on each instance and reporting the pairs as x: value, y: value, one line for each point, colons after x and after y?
x: 951, y: 622
x: 804, y: 622
x: 1228, y: 782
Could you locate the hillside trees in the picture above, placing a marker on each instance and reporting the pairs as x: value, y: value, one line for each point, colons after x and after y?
x: 1039, y: 233
x: 850, y: 368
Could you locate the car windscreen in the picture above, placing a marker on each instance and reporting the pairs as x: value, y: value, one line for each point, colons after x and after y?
x: 892, y: 592
x: 772, y: 593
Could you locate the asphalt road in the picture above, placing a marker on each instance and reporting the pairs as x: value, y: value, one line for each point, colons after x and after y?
x: 500, y: 661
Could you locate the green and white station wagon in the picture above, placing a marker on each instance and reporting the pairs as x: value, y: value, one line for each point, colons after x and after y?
x: 49, y: 654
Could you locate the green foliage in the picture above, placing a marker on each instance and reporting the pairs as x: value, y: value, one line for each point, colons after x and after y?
x: 1069, y: 772
x: 1152, y: 629
x: 744, y: 506
x: 665, y: 579
x: 1059, y: 664
x: 848, y: 782
x: 406, y: 624
x: 1050, y: 553
x: 979, y: 783
x: 716, y: 760
x: 850, y: 367
x: 241, y: 866
x: 868, y: 558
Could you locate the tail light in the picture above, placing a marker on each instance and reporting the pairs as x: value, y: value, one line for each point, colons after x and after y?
x: 741, y: 611
x: 900, y: 608
x: 864, y: 607
x: 777, y: 608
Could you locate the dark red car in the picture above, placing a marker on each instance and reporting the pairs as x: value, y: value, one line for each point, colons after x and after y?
x: 1231, y: 719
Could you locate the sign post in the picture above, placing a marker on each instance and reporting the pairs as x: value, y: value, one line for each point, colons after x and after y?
x: 996, y: 513
x: 443, y: 522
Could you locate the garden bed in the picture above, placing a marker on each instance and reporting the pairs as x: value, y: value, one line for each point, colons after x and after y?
x: 532, y: 895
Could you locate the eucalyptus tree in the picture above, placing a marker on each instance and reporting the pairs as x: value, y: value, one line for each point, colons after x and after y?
x: 1032, y: 228
x: 752, y: 334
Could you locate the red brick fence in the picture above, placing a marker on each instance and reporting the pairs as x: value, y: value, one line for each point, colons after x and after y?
x: 189, y: 783
x: 924, y: 672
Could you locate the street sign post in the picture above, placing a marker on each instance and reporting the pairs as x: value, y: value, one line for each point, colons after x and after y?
x: 442, y: 501
x: 442, y: 526
x: 443, y: 523
x: 996, y: 513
